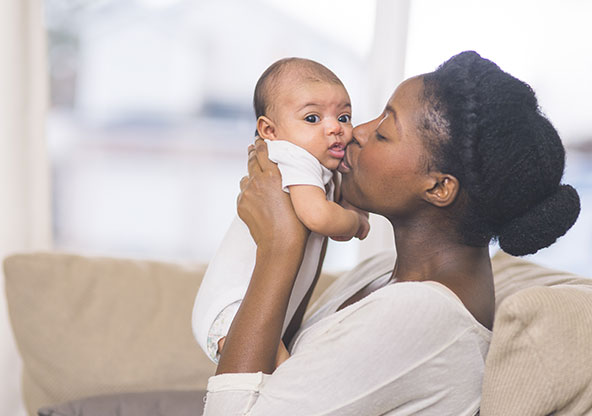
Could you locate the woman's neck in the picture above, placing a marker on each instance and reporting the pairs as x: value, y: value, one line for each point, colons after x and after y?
x: 425, y: 254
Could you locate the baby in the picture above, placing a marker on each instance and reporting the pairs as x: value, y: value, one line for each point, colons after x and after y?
x: 304, y: 114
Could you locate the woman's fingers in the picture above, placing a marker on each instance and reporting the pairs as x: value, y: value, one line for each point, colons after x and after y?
x: 259, y: 159
x: 263, y: 205
x: 253, y: 165
x: 243, y: 183
x: 263, y: 156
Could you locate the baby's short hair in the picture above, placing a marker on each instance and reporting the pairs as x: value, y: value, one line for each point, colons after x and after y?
x: 267, y: 84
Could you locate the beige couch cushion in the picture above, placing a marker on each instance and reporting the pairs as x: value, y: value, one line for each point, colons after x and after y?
x: 512, y: 274
x: 87, y: 326
x: 540, y: 357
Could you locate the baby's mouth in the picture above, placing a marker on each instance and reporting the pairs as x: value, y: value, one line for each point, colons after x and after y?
x: 337, y: 150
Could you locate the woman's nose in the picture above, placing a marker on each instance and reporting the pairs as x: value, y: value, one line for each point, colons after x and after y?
x: 361, y: 133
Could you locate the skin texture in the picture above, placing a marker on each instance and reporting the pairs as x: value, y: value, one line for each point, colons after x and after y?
x: 385, y: 171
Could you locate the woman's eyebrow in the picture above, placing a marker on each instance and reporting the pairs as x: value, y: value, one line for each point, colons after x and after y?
x: 391, y: 110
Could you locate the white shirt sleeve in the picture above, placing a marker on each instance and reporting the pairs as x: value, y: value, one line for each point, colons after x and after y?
x: 297, y: 166
x: 406, y: 349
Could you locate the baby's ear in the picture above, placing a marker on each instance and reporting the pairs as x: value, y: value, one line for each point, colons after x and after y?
x: 266, y: 128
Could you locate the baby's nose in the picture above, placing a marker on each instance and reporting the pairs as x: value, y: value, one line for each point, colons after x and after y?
x: 333, y: 126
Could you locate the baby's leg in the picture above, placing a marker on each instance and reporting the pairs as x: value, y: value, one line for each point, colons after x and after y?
x: 227, y: 278
x: 306, y: 275
x: 224, y: 283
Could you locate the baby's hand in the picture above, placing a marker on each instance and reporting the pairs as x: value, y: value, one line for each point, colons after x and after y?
x: 364, y: 225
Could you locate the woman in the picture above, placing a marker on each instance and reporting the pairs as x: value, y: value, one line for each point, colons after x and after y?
x: 459, y: 157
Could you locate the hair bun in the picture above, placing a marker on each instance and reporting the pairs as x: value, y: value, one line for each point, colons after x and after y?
x: 542, y: 225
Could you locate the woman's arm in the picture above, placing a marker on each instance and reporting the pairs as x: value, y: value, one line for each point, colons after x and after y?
x: 410, y: 347
x: 254, y: 336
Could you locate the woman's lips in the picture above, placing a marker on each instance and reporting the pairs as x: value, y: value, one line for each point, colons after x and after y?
x: 344, y: 166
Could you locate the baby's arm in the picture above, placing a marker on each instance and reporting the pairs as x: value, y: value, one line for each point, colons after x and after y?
x: 323, y: 216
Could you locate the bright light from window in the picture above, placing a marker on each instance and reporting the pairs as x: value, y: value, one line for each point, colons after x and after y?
x: 349, y: 22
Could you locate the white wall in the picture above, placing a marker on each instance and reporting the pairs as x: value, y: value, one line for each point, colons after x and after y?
x: 24, y: 189
x: 543, y: 42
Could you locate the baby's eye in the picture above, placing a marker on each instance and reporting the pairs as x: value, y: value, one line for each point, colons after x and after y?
x: 345, y: 118
x: 313, y: 118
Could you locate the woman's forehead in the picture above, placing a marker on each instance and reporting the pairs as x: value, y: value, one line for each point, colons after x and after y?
x: 408, y: 91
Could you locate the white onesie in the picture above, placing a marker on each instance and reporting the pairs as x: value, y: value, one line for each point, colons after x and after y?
x: 229, y: 273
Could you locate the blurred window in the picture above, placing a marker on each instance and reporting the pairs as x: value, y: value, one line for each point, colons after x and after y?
x: 151, y: 112
x: 151, y: 103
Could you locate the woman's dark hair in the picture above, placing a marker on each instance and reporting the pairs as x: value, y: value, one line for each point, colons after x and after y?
x: 485, y: 127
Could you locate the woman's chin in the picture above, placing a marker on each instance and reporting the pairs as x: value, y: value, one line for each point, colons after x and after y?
x: 347, y: 196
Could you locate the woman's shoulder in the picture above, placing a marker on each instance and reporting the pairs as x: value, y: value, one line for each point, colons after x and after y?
x: 426, y: 303
x: 422, y: 300
x: 419, y: 310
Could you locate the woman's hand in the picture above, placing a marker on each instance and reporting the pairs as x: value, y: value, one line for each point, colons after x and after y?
x: 265, y: 207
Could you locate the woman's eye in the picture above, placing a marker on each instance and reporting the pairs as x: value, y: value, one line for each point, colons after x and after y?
x: 379, y: 136
x: 313, y: 118
x: 345, y: 118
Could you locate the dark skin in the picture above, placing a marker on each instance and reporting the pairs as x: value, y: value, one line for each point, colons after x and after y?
x: 385, y: 171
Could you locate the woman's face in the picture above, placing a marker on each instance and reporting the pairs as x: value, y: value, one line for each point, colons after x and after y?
x: 385, y: 167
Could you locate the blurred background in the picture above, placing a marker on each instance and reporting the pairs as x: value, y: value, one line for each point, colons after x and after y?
x: 125, y: 123
x: 151, y: 101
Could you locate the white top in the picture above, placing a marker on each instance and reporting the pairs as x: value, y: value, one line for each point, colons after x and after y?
x: 409, y: 348
x: 297, y: 166
x: 229, y: 272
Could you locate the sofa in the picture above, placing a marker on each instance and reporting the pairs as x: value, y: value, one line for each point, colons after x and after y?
x: 106, y: 336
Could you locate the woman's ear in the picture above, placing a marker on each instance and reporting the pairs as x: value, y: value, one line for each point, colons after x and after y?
x: 443, y: 189
x: 266, y: 128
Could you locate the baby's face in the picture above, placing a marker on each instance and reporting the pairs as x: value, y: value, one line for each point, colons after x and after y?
x: 315, y: 116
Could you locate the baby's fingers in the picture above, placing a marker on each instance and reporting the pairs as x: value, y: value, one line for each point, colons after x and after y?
x: 364, y: 227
